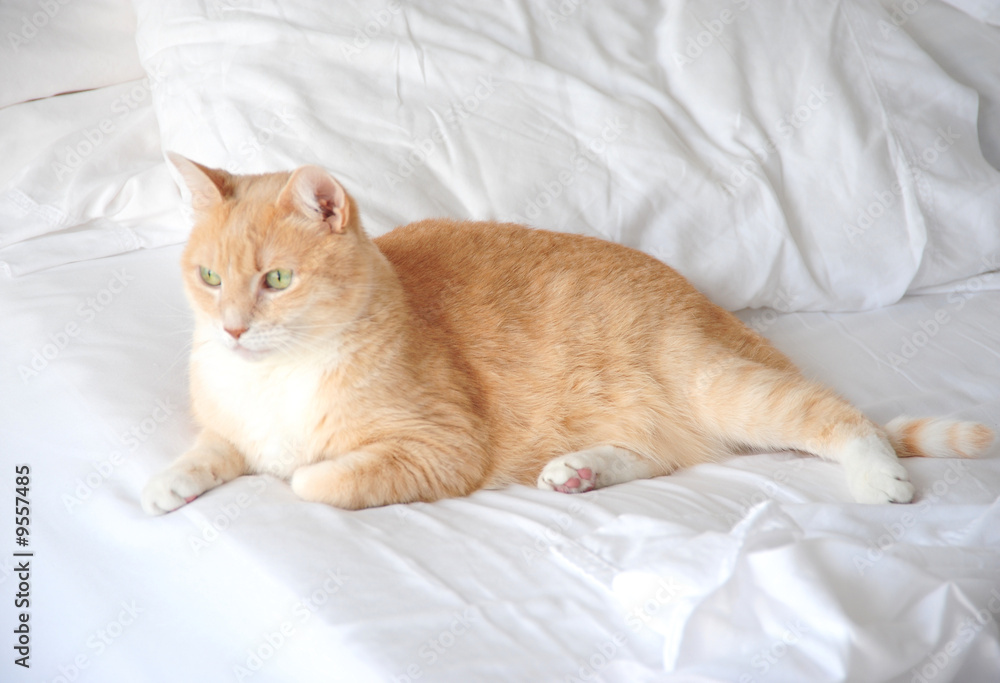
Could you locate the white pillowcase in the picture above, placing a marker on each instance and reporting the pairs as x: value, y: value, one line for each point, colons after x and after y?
x: 84, y: 178
x: 799, y: 155
x: 49, y: 47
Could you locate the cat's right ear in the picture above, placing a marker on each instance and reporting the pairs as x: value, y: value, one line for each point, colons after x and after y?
x: 314, y: 193
x: 208, y: 186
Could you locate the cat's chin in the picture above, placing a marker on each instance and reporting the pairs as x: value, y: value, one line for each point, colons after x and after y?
x: 250, y: 355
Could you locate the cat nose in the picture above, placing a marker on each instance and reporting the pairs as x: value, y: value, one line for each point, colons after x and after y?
x: 235, y: 332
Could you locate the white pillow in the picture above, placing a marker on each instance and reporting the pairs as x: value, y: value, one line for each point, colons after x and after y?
x: 84, y: 178
x: 49, y: 47
x: 793, y: 154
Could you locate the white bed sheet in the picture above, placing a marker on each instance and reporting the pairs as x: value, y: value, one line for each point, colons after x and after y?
x: 765, y: 557
x: 248, y: 583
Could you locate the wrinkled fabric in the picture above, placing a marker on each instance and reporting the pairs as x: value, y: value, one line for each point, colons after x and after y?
x: 759, y: 566
x: 799, y: 156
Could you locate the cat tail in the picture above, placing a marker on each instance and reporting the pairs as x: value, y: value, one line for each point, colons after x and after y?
x: 937, y: 438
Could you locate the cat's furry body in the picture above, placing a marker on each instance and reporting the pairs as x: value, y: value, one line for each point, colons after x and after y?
x: 449, y: 356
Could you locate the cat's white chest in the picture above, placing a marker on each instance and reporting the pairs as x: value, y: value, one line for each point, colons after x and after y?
x: 269, y: 411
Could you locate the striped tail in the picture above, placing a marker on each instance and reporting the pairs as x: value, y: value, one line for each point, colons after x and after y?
x: 938, y: 438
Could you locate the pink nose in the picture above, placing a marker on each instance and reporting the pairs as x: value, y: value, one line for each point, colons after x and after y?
x: 236, y: 332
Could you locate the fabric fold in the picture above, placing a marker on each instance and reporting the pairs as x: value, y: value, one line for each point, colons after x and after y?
x: 769, y: 595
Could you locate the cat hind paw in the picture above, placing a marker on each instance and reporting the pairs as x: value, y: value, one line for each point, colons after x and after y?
x: 562, y: 476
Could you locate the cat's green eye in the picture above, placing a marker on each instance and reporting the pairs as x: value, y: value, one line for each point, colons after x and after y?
x: 210, y: 277
x: 279, y: 278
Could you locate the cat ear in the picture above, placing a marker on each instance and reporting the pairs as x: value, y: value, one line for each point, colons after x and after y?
x: 313, y: 192
x: 208, y: 186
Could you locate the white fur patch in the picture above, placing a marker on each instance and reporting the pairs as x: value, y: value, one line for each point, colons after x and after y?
x: 272, y: 406
x: 874, y: 473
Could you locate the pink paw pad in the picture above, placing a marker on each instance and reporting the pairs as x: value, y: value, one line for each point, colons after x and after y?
x: 188, y: 500
x: 583, y: 482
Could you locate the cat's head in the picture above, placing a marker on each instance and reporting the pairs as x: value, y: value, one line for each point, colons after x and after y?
x: 276, y: 264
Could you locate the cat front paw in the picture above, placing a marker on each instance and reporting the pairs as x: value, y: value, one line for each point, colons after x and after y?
x: 566, y: 476
x: 172, y: 488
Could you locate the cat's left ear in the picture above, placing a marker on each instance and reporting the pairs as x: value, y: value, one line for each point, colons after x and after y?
x: 313, y: 192
x: 209, y: 187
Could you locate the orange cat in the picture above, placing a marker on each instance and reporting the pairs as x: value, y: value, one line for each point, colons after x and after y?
x: 449, y: 356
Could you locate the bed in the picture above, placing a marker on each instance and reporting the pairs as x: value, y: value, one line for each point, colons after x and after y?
x: 827, y: 170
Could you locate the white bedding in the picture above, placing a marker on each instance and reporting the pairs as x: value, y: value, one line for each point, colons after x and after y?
x: 766, y: 172
x: 59, y: 46
x: 90, y: 188
x: 713, y: 134
x: 572, y: 116
x: 531, y: 585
